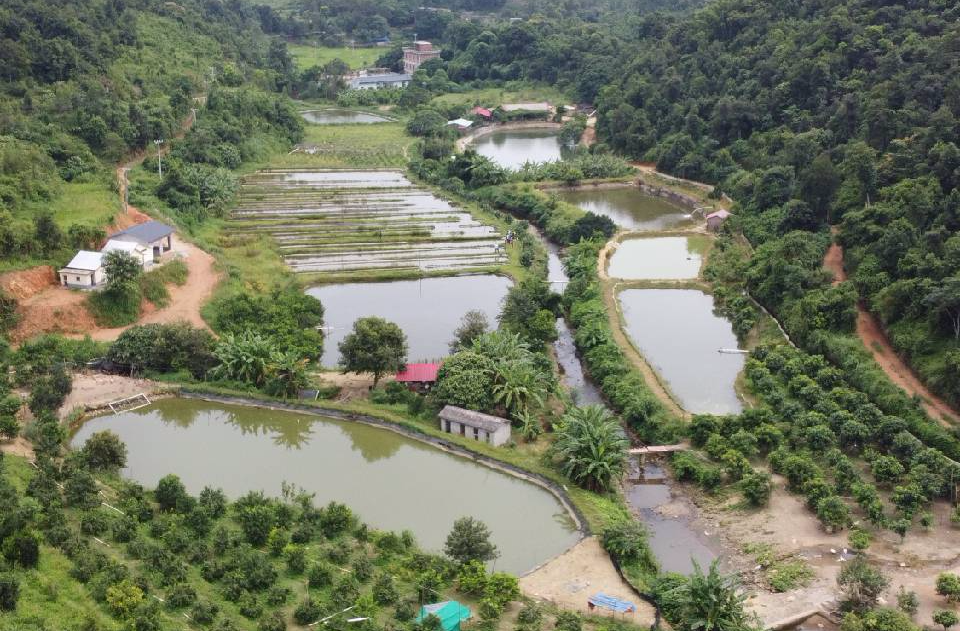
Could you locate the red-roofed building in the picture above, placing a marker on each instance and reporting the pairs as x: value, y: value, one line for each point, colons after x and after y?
x: 418, y: 377
x: 482, y: 112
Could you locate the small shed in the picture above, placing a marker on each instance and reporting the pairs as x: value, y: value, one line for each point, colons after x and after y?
x: 450, y: 612
x: 477, y: 425
x: 418, y: 377
x: 84, y: 271
x: 460, y: 123
x: 155, y: 236
x: 134, y: 249
x: 716, y: 219
x: 482, y: 112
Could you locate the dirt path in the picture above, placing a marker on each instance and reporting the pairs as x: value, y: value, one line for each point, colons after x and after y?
x: 185, y: 301
x: 580, y: 572
x: 878, y: 344
x: 608, y: 290
x: 590, y: 133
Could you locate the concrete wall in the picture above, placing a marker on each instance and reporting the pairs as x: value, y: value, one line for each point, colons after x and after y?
x: 497, y: 438
x: 81, y: 279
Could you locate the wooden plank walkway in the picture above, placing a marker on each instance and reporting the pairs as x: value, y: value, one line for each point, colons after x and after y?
x: 660, y: 449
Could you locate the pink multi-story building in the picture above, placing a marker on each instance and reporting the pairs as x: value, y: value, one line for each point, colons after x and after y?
x: 421, y: 52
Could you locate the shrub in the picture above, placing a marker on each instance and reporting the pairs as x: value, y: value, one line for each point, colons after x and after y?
x: 948, y: 586
x: 756, y: 487
x: 9, y: 591
x: 104, y: 451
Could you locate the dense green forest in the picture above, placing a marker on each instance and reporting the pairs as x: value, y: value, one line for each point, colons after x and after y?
x: 809, y: 115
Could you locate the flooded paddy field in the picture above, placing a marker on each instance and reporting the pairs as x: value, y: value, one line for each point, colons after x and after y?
x: 427, y: 310
x: 341, y: 117
x: 387, y: 478
x: 659, y: 258
x: 629, y: 207
x: 681, y: 337
x: 343, y: 221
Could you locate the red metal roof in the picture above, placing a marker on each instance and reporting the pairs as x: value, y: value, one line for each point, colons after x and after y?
x: 482, y: 111
x: 418, y: 372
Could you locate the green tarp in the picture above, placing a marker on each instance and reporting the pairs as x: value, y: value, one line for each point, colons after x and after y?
x: 450, y: 612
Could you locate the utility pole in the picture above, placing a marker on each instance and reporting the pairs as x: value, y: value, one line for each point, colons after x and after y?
x: 159, y: 142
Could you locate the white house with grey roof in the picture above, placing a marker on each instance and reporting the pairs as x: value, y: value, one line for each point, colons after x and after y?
x: 140, y: 253
x: 84, y: 271
x: 476, y: 425
x: 377, y: 81
x: 155, y: 237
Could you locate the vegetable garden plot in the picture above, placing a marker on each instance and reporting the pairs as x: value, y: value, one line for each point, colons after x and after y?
x: 341, y: 221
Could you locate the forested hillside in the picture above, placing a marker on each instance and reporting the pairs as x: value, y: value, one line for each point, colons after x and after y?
x: 85, y: 83
x: 839, y: 112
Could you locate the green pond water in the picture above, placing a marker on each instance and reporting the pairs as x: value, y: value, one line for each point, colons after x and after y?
x: 678, y: 333
x: 629, y: 207
x: 511, y: 149
x: 658, y: 258
x: 391, y: 481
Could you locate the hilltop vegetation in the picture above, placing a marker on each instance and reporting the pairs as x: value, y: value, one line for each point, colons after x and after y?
x: 84, y: 84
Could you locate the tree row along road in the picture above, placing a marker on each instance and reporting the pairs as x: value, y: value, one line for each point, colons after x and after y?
x: 875, y: 340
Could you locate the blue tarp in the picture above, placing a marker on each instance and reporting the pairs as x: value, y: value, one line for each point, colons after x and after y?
x: 611, y: 603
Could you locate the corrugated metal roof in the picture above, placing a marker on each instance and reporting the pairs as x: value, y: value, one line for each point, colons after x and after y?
x: 612, y: 603
x: 721, y: 214
x: 470, y: 418
x: 86, y: 260
x: 146, y: 233
x: 418, y: 372
x: 382, y: 78
x: 124, y: 246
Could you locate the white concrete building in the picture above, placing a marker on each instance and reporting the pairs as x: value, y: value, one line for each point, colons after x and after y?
x: 139, y: 252
x: 377, y: 81
x: 84, y: 271
x: 156, y: 237
x: 475, y: 425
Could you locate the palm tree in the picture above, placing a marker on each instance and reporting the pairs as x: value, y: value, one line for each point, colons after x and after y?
x: 591, y: 448
x: 709, y: 602
x: 518, y: 385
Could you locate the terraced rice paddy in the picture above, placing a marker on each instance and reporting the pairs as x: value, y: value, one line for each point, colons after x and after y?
x: 346, y: 221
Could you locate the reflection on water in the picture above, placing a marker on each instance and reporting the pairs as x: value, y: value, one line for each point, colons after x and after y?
x: 511, y: 149
x: 679, y: 334
x: 659, y: 258
x: 392, y: 482
x: 629, y: 207
x: 428, y: 310
x: 673, y: 540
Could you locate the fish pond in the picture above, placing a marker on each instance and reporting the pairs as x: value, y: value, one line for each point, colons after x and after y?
x: 427, y: 310
x: 629, y: 207
x: 659, y: 258
x: 511, y: 149
x: 351, y: 221
x: 680, y: 336
x: 391, y: 481
x: 341, y: 117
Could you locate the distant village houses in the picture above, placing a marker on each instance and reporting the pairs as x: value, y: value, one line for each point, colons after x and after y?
x: 420, y: 52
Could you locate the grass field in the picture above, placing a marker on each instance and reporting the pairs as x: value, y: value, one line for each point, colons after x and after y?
x: 308, y: 56
x: 351, y: 146
x: 492, y: 97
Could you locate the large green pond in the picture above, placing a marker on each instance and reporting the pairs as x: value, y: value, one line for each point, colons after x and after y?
x: 511, y: 149
x: 391, y: 481
x: 629, y: 207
